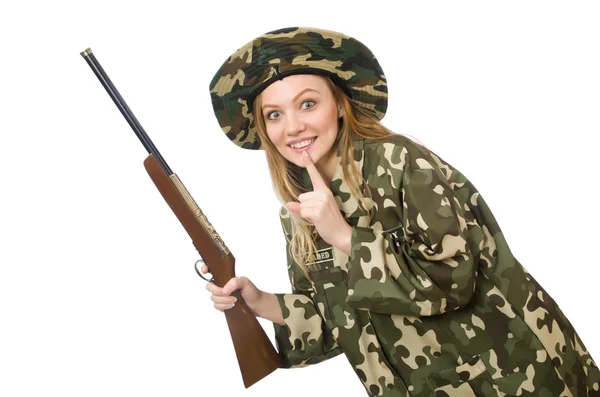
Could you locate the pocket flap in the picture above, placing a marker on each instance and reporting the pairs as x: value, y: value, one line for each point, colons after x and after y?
x: 455, y: 377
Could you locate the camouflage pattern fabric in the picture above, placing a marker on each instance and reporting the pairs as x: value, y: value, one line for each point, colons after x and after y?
x: 431, y: 301
x: 283, y: 52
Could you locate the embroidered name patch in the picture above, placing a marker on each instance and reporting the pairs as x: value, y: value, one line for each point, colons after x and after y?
x: 323, y: 255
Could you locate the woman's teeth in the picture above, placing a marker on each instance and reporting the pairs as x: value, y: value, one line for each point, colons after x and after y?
x: 300, y: 145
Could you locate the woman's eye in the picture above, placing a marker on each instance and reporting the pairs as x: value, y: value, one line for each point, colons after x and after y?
x: 273, y: 115
x: 308, y: 104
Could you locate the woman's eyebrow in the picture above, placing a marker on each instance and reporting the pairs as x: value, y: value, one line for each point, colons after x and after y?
x: 266, y: 105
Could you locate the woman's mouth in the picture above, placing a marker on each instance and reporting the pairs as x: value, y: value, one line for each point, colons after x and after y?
x: 304, y: 145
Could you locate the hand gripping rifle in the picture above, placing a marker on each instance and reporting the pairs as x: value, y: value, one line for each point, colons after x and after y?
x: 256, y: 355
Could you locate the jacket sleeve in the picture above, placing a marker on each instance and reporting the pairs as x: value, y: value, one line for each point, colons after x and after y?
x: 422, y: 260
x: 304, y: 339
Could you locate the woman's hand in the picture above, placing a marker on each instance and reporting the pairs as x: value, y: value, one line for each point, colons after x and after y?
x: 222, y: 296
x: 320, y: 208
x: 261, y: 303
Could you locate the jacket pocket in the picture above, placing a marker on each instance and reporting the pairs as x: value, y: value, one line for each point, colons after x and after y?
x: 470, y: 379
x: 331, y: 293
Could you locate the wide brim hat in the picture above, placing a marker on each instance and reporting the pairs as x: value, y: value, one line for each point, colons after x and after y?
x: 280, y: 53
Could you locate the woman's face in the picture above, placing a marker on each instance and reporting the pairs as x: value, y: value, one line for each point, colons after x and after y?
x: 301, y: 114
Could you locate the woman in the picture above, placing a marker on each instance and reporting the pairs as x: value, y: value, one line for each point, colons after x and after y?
x: 394, y: 258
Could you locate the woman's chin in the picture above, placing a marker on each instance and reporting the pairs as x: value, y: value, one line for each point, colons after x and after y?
x: 296, y: 160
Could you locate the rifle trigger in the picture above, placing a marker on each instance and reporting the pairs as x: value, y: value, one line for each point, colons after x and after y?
x: 212, y: 279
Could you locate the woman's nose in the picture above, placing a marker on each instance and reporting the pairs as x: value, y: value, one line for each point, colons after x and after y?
x: 294, y: 124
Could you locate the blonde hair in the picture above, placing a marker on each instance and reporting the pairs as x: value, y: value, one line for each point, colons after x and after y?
x: 287, y: 177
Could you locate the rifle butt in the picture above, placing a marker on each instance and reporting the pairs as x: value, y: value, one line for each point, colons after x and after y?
x: 255, y: 353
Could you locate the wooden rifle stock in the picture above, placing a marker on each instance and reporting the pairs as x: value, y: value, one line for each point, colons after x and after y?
x: 256, y: 355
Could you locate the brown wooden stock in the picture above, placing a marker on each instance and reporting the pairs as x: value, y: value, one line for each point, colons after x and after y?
x: 255, y: 353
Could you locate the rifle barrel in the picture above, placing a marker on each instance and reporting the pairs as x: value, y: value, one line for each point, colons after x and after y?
x: 125, y: 111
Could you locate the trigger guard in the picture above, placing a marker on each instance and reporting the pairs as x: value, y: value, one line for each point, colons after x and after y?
x: 212, y: 279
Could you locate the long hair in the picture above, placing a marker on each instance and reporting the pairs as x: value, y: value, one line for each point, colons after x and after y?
x: 286, y: 176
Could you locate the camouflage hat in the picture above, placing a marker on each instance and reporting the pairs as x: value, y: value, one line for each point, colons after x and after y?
x: 280, y: 53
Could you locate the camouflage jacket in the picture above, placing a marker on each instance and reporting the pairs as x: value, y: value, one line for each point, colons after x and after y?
x: 430, y: 302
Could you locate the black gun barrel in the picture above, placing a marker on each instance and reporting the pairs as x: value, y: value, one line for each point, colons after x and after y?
x: 125, y: 111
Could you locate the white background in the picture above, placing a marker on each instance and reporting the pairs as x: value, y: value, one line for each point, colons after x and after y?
x: 98, y: 296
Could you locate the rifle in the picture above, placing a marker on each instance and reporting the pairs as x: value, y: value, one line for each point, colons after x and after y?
x: 256, y: 355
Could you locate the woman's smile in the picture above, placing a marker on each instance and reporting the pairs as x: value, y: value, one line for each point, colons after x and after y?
x: 300, y: 145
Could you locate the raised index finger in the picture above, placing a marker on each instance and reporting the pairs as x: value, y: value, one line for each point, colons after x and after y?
x: 313, y: 172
